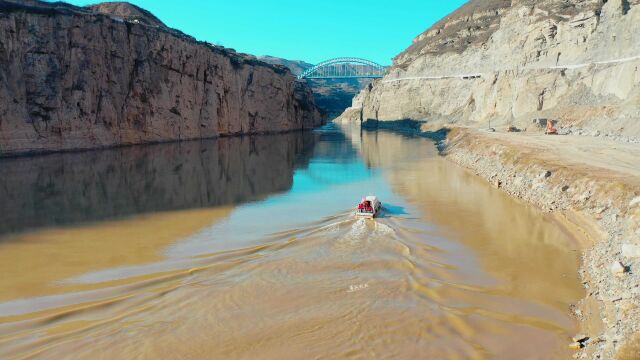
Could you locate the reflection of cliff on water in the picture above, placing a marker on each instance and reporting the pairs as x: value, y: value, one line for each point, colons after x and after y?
x: 70, y: 188
x: 333, y: 145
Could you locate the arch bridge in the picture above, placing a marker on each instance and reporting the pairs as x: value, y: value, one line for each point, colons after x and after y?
x: 344, y: 68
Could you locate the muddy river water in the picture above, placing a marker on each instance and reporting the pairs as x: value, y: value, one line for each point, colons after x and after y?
x: 247, y: 248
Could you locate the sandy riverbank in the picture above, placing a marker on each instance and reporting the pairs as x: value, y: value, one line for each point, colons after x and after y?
x: 593, y: 183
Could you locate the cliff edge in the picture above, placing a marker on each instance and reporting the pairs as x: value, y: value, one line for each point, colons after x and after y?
x: 113, y: 74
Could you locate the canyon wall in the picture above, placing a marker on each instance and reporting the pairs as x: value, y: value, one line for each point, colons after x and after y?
x: 509, y: 62
x: 76, y: 78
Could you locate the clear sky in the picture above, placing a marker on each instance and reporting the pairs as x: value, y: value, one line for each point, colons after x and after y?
x: 303, y: 30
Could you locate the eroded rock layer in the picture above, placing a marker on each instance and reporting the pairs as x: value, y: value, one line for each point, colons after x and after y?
x: 514, y: 61
x: 75, y: 78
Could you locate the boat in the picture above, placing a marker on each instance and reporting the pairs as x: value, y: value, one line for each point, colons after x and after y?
x: 369, y: 207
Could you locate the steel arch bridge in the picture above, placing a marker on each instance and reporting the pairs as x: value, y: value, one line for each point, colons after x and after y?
x: 344, y: 68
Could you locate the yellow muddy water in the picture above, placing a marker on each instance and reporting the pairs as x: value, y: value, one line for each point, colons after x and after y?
x: 247, y: 248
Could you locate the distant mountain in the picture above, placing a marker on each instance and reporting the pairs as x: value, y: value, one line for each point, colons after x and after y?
x: 297, y: 67
x: 332, y: 96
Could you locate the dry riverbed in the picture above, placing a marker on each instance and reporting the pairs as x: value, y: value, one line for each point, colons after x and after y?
x: 595, y: 184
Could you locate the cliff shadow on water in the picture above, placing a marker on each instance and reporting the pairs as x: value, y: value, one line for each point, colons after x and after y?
x: 73, y: 188
x: 406, y: 127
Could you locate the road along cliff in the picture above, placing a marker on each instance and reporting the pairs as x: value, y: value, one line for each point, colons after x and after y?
x: 113, y: 74
x: 515, y: 65
x: 503, y: 62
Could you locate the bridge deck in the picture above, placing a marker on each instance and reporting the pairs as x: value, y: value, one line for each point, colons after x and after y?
x: 345, y: 68
x: 345, y: 77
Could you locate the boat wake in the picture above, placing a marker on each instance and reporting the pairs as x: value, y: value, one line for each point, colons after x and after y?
x: 321, y: 283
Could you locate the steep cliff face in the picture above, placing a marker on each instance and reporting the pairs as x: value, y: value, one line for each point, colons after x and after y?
x: 513, y: 61
x: 74, y: 78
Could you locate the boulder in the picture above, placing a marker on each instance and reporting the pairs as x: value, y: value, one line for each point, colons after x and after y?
x: 575, y: 345
x: 540, y: 123
x: 617, y: 268
x: 580, y: 338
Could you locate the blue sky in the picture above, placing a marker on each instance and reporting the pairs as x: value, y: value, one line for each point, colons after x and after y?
x: 303, y: 30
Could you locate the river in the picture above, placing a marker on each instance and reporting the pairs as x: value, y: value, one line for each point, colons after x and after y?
x: 247, y: 248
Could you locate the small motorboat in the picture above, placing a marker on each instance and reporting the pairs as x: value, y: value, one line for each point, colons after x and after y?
x: 369, y: 207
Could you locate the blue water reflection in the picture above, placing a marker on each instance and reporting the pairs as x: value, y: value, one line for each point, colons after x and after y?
x: 334, y: 181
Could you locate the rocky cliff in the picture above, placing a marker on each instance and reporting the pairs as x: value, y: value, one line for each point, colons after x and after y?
x: 509, y: 62
x: 113, y: 74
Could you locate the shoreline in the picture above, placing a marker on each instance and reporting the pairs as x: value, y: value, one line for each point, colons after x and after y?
x: 35, y: 153
x: 598, y: 207
x: 604, y: 206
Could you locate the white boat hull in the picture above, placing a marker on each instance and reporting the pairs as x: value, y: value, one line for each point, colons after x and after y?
x: 365, y: 215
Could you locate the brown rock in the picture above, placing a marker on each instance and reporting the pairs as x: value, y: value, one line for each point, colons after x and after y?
x: 529, y: 65
x: 580, y: 338
x: 71, y: 78
x: 617, y: 268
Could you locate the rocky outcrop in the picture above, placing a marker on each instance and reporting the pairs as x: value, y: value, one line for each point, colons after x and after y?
x: 75, y: 78
x: 127, y: 12
x: 509, y: 62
